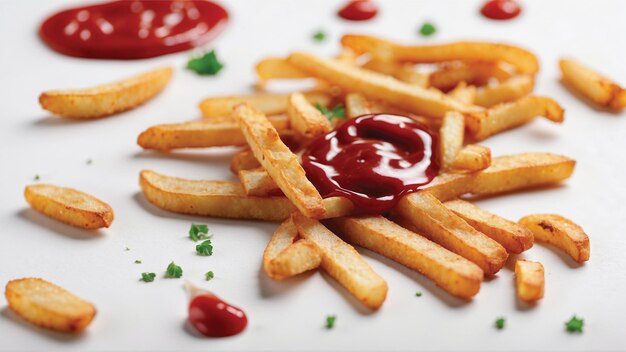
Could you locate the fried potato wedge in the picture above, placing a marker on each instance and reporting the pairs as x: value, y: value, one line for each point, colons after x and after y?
x: 512, y: 236
x: 473, y: 157
x: 286, y: 255
x: 431, y: 218
x: 49, y: 306
x: 279, y: 162
x: 69, y: 206
x: 243, y: 160
x: 453, y: 273
x: 258, y: 182
x: 402, y: 72
x: 305, y: 119
x: 343, y: 263
x: 529, y: 280
x: 269, y: 104
x: 106, y: 99
x: 560, y: 232
x: 592, y: 85
x: 509, y: 115
x: 451, y: 136
x: 356, y: 105
x: 507, y: 91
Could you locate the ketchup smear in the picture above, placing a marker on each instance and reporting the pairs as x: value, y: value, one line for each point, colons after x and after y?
x: 373, y: 160
x: 133, y: 29
x: 358, y: 10
x: 213, y: 317
x: 501, y: 9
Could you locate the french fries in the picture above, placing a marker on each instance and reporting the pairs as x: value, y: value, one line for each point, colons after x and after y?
x: 472, y: 157
x: 449, y: 75
x: 510, y: 90
x: 450, y: 138
x: 463, y: 93
x: 560, y: 232
x: 592, y: 85
x: 529, y: 280
x: 269, y: 104
x: 513, y: 237
x: 69, y: 206
x: 278, y: 68
x: 106, y: 99
x: 49, y: 306
x: 243, y: 160
x: 258, y: 183
x: 343, y: 263
x: 453, y: 273
x: 305, y: 119
x: 356, y: 105
x: 286, y: 256
x: 404, y: 73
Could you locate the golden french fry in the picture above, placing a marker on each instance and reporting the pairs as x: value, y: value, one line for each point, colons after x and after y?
x: 404, y: 73
x: 343, y: 263
x: 279, y: 162
x: 592, y: 85
x: 269, y: 104
x: 453, y: 273
x: 529, y: 279
x: 512, y: 236
x: 305, y: 118
x: 278, y: 68
x: 106, y: 99
x: 449, y: 75
x: 473, y: 157
x: 69, y: 206
x: 509, y: 90
x: 286, y: 255
x: 451, y: 136
x: 560, y: 232
x: 447, y: 186
x: 258, y: 182
x: 243, y: 160
x: 505, y: 116
x: 47, y: 305
x: 463, y: 93
x: 356, y: 105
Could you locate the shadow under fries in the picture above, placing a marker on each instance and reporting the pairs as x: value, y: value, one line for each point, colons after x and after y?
x: 590, y: 103
x: 525, y: 191
x: 59, y: 227
x: 50, y: 120
x: 7, y: 314
x: 270, y: 288
x: 204, y: 156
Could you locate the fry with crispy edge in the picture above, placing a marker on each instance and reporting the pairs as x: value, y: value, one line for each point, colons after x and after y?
x: 49, y: 306
x: 529, y: 280
x: 356, y: 105
x: 473, y: 157
x: 512, y: 236
x: 243, y: 160
x: 286, y: 255
x: 269, y: 104
x: 69, y: 206
x: 106, y: 99
x: 343, y: 263
x: 450, y: 138
x: 592, y: 85
x: 258, y: 182
x: 463, y: 93
x: 560, y: 232
x: 402, y: 72
x: 305, y: 118
x: 453, y: 273
x: 279, y: 162
x: 450, y: 74
x: 510, y: 90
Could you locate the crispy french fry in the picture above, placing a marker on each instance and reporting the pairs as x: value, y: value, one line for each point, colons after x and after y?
x: 286, y: 255
x: 510, y: 90
x: 356, y: 105
x: 269, y: 104
x: 448, y: 186
x: 455, y: 274
x: 69, y: 206
x: 560, y: 232
x: 450, y: 138
x: 49, y: 306
x: 343, y: 263
x: 278, y: 68
x: 592, y: 85
x: 258, y: 182
x: 505, y: 116
x: 279, y: 162
x: 305, y: 118
x: 106, y: 99
x: 529, y: 279
x: 404, y: 73
x: 512, y: 236
x: 243, y: 160
x: 472, y: 157
x: 463, y: 93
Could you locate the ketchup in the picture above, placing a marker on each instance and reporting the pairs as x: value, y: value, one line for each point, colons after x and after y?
x: 358, y: 10
x: 133, y: 29
x: 213, y: 317
x: 373, y: 160
x: 501, y: 9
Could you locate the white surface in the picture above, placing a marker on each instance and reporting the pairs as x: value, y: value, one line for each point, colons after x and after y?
x: 133, y: 315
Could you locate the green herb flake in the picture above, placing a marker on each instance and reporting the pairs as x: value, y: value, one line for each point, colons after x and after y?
x: 330, y: 321
x: 137, y: 261
x: 418, y: 294
x: 574, y: 325
x: 205, y: 248
x: 89, y: 161
x: 427, y: 29
x: 36, y: 178
x: 148, y: 277
x: 198, y: 232
x: 338, y: 112
x: 319, y: 36
x: 500, y: 323
x: 173, y: 271
x: 209, y: 275
x: 207, y: 64
x: 126, y: 248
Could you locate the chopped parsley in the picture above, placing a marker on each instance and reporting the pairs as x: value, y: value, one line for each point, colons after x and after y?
x: 137, y: 261
x: 89, y: 161
x: 173, y: 271
x: 205, y: 248
x: 198, y: 232
x: 209, y: 275
x: 574, y: 325
x: 418, y: 294
x: 338, y: 112
x: 148, y: 277
x: 500, y: 323
x: 330, y: 321
x: 207, y: 64
x: 36, y: 178
x: 126, y: 248
x: 319, y: 36
x: 427, y: 29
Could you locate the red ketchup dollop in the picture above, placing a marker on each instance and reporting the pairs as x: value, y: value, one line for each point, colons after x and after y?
x: 133, y: 29
x: 501, y: 9
x: 373, y: 160
x: 213, y: 317
x: 358, y: 10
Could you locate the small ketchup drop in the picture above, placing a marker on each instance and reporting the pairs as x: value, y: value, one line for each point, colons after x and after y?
x: 358, y: 10
x: 501, y: 9
x: 213, y: 317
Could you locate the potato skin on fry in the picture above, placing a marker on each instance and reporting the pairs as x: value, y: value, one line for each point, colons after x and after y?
x: 560, y: 232
x: 47, y: 305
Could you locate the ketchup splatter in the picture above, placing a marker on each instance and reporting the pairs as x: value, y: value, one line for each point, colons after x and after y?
x: 133, y: 29
x: 373, y: 160
x: 501, y: 9
x: 213, y: 317
x: 358, y: 10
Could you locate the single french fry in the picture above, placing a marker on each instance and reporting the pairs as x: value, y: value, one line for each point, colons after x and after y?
x: 69, y: 206
x: 278, y: 68
x: 529, y: 280
x: 258, y: 182
x: 463, y: 93
x: 597, y: 88
x: 453, y: 273
x: 505, y: 116
x: 449, y: 75
x: 106, y: 99
x: 510, y: 90
x: 473, y: 157
x: 305, y: 118
x: 560, y: 232
x: 451, y: 136
x: 269, y: 104
x: 512, y: 236
x: 404, y: 73
x: 244, y: 160
x: 356, y: 105
x: 49, y: 306
x: 286, y: 255
x: 343, y: 263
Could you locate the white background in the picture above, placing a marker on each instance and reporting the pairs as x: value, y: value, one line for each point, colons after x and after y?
x: 290, y: 315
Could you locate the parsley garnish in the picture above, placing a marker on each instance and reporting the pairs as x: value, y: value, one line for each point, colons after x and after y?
x: 198, y: 232
x: 137, y: 261
x: 36, y: 178
x: 173, y: 271
x: 89, y: 161
x: 427, y: 29
x: 209, y: 275
x: 338, y: 112
x: 330, y: 321
x: 205, y: 248
x: 207, y: 64
x: 574, y: 325
x: 148, y: 277
x: 418, y: 294
x: 319, y: 36
x: 126, y: 248
x: 500, y: 323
